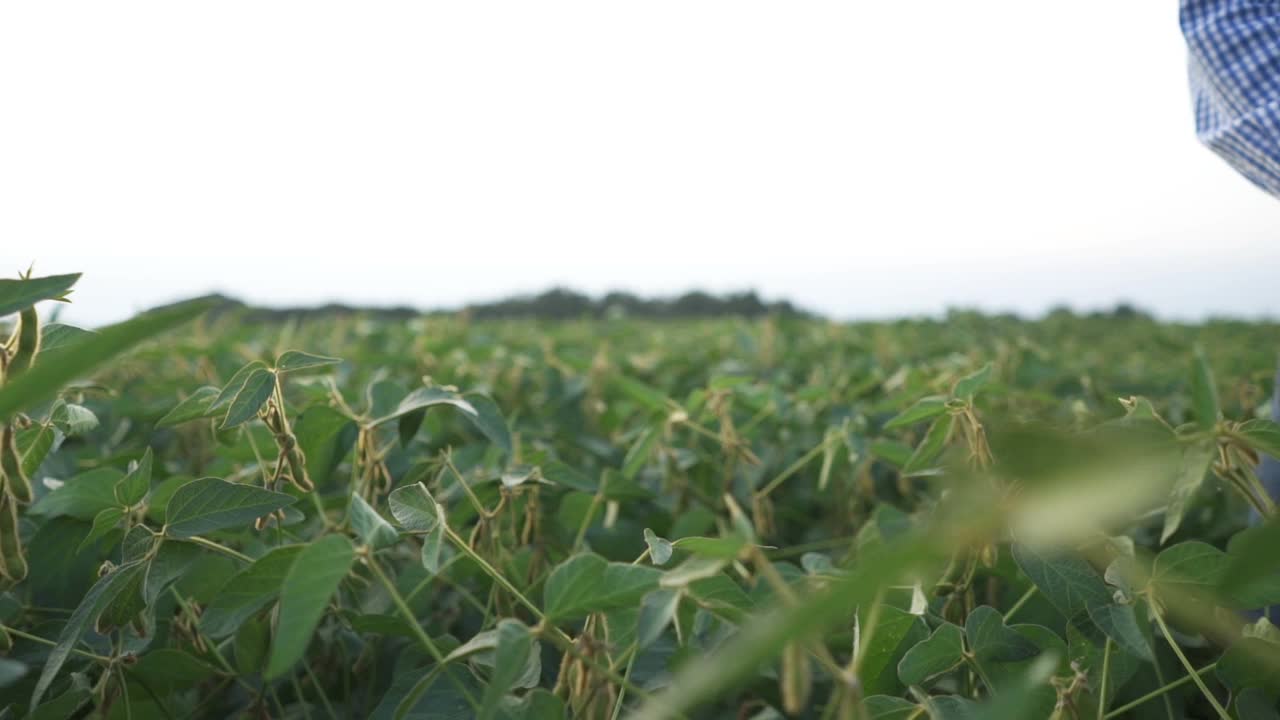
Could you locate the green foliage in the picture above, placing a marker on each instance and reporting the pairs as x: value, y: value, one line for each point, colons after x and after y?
x: 977, y: 517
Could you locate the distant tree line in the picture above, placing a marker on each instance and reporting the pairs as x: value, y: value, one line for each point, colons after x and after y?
x: 555, y: 304
x: 563, y: 304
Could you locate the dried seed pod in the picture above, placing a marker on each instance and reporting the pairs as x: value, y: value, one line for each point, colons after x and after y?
x: 28, y: 346
x: 11, y: 470
x: 796, y: 679
x: 15, y: 561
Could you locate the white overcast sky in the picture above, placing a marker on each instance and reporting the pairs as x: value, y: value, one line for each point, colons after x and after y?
x: 862, y: 159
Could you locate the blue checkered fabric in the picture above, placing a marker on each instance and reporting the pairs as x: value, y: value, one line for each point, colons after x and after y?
x: 1235, y: 80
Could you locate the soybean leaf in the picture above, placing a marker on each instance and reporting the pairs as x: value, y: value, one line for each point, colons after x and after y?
x: 895, y: 633
x: 424, y: 398
x: 103, y: 523
x: 209, y: 504
x: 638, y: 455
x: 1255, y: 704
x: 1261, y: 435
x: 251, y: 397
x: 923, y: 409
x: 56, y: 337
x: 73, y: 419
x: 1191, y: 570
x: 133, y: 487
x: 46, y: 377
x: 309, y: 584
x: 1251, y: 578
x: 171, y: 561
x: 990, y: 640
x: 657, y: 609
x: 293, y: 360
x: 659, y: 549
x: 1068, y: 582
x: 198, y: 404
x: 1120, y: 623
x: 1204, y: 392
x: 931, y: 447
x: 94, y: 602
x: 488, y: 420
x: 969, y: 385
x: 18, y: 295
x: 325, y: 436
x: 376, y: 532
x: 511, y: 658
x: 248, y: 591
x: 1251, y: 662
x: 940, y: 653
x: 413, y: 507
x: 587, y: 583
x: 888, y: 707
x: 233, y: 386
x: 168, y: 670
x: 1196, y: 459
x: 34, y: 445
x: 82, y: 497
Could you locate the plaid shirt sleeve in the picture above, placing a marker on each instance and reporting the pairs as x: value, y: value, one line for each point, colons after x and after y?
x: 1235, y: 81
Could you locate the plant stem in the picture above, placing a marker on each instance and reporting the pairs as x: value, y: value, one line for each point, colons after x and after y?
x: 1031, y: 591
x: 1159, y: 692
x: 412, y: 621
x: 44, y: 641
x: 1106, y: 670
x: 793, y: 468
x: 1204, y: 689
x: 196, y: 539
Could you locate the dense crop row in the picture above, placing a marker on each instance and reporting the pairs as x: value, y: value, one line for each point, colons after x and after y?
x: 976, y: 517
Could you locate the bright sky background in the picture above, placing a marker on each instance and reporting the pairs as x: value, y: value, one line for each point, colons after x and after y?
x: 861, y: 159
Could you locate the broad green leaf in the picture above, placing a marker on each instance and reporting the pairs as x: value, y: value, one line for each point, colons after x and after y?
x: 931, y: 447
x: 924, y: 409
x: 73, y: 419
x: 134, y: 486
x: 258, y: 387
x: 691, y: 570
x: 1196, y: 459
x: 103, y: 523
x: 1251, y: 662
x: 657, y: 609
x: 34, y: 444
x: 990, y: 640
x: 488, y: 420
x: 1261, y: 435
x: 82, y: 497
x: 56, y: 337
x: 95, y: 601
x: 940, y: 653
x: 887, y: 707
x: 586, y: 583
x: 46, y: 377
x: 374, y: 531
x: 1068, y: 582
x: 248, y: 591
x: 169, y: 670
x: 18, y: 295
x: 1120, y: 623
x: 659, y: 549
x: 1204, y: 392
x: 896, y: 632
x: 511, y: 658
x: 195, y: 406
x: 1255, y: 704
x: 969, y: 385
x: 209, y: 504
x: 638, y: 456
x: 726, y: 547
x: 235, y: 384
x: 1010, y: 676
x: 308, y: 586
x: 1251, y: 578
x: 252, y: 644
x: 293, y: 360
x: 1088, y: 655
x: 424, y: 398
x: 721, y: 596
x: 326, y: 436
x: 1192, y: 570
x: 413, y: 507
x: 171, y: 561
